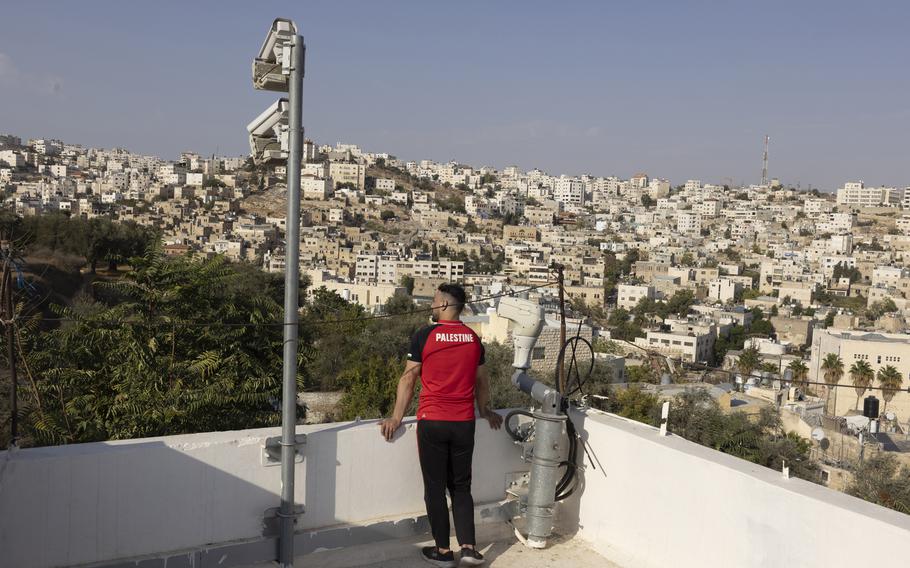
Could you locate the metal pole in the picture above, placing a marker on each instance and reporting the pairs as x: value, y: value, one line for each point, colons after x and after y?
x: 287, y: 512
x: 10, y: 348
x: 561, y: 372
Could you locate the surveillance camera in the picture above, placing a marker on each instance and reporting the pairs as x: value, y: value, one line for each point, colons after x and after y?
x: 527, y: 323
x: 281, y: 33
x: 265, y: 123
x: 273, y: 64
x: 269, y: 133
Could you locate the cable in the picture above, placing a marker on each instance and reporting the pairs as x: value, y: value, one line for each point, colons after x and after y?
x: 167, y: 323
x: 705, y: 367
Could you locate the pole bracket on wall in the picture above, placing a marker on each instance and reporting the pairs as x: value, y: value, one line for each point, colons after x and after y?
x: 271, y: 450
x: 271, y: 521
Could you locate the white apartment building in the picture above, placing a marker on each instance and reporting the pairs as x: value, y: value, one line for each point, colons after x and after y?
x: 688, y: 223
x: 316, y: 188
x: 878, y: 349
x: 723, y: 289
x: 196, y: 179
x: 348, y: 173
x: 385, y: 184
x: 835, y: 223
x: 815, y: 207
x: 47, y: 147
x: 692, y: 186
x: 709, y: 208
x: 11, y: 158
x: 692, y: 347
x: 858, y: 195
x: 889, y: 276
x: 569, y: 191
x: 628, y: 295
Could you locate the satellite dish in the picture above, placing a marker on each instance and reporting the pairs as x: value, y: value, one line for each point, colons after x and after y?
x: 818, y: 434
x: 889, y: 415
x: 824, y: 444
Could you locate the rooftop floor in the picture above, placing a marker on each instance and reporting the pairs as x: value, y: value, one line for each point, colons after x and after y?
x: 504, y: 552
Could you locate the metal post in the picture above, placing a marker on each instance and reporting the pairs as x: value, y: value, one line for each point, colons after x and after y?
x: 10, y: 347
x: 561, y: 371
x: 287, y: 512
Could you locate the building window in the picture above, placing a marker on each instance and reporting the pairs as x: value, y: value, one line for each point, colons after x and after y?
x: 539, y: 353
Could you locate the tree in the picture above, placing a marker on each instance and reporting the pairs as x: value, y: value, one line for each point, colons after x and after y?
x: 882, y: 480
x: 646, y: 201
x: 800, y: 372
x: 749, y: 359
x: 635, y: 404
x: 833, y: 370
x: 176, y: 345
x: 687, y: 259
x: 386, y: 214
x: 407, y: 281
x: 890, y: 380
x: 862, y: 375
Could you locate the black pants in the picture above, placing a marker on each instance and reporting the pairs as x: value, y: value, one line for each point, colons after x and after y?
x: 446, y: 449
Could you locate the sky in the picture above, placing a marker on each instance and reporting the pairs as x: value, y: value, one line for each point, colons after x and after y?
x: 677, y: 89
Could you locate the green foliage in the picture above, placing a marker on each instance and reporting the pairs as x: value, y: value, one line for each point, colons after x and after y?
x: 862, y: 375
x: 621, y: 327
x: 890, y: 379
x: 696, y: 416
x: 734, y: 340
x: 748, y: 361
x: 408, y: 281
x: 800, y: 372
x: 641, y: 374
x: 97, y: 240
x: 843, y: 271
x: 635, y: 404
x: 882, y: 480
x: 173, y: 347
x: 678, y: 305
x: 364, y: 358
x: 453, y: 202
x: 878, y: 309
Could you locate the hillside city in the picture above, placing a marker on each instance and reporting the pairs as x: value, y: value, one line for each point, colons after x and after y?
x: 765, y: 296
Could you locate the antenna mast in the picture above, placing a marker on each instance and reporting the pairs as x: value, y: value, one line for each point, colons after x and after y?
x: 764, y: 164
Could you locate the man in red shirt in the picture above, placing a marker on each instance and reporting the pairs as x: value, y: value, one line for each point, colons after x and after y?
x: 448, y: 357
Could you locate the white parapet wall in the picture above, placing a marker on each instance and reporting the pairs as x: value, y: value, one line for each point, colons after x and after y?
x: 657, y: 501
x: 86, y: 503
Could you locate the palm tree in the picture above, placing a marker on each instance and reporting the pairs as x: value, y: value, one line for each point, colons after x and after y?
x: 890, y: 380
x: 833, y: 369
x: 862, y: 375
x: 800, y: 372
x: 748, y: 360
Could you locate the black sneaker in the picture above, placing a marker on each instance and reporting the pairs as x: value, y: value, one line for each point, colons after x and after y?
x: 432, y: 555
x: 471, y: 557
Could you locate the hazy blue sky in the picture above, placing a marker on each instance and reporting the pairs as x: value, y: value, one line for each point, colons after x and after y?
x: 677, y: 89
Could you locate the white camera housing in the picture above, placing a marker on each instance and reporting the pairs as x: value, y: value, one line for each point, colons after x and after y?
x: 527, y: 322
x: 272, y: 67
x: 269, y: 133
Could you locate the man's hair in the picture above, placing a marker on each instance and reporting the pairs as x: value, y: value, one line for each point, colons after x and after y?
x: 455, y: 292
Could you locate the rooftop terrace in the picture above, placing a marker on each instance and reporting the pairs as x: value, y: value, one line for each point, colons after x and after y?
x: 208, y: 500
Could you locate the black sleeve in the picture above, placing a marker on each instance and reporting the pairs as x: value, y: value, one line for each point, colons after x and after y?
x: 483, y: 355
x: 418, y: 341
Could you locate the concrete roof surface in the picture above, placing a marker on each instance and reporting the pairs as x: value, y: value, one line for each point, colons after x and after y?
x: 502, y: 553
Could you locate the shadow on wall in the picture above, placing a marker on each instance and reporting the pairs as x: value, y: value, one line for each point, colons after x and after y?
x: 100, y: 502
x: 103, y: 501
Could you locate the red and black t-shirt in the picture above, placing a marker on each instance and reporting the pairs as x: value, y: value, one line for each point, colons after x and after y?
x: 449, y: 353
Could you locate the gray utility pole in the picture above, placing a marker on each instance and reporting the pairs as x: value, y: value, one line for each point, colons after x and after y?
x: 9, y: 317
x: 276, y: 135
x: 287, y: 513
